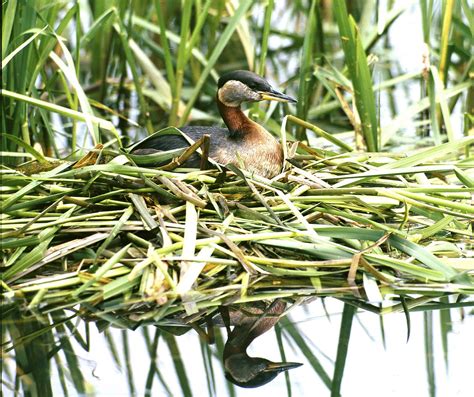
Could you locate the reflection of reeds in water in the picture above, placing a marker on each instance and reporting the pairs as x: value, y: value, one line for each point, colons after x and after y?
x: 51, y: 357
x: 121, y: 245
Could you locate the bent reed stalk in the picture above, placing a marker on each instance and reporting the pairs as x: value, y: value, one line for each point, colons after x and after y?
x: 146, y: 244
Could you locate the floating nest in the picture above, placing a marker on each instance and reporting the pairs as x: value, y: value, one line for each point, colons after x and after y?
x: 131, y: 245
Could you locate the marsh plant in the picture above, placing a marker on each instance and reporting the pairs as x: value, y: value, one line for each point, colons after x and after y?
x: 373, y: 207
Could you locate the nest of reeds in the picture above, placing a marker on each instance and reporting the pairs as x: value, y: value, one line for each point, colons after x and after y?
x: 132, y: 245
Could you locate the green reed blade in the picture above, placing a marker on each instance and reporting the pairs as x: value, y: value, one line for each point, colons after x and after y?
x: 360, y: 75
x: 219, y: 47
x: 342, y: 348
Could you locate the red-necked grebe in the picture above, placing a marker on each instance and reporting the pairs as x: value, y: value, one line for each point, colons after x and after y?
x: 243, y: 141
x: 251, y: 322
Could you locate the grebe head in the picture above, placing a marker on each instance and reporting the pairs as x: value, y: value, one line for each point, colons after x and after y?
x: 245, y: 371
x: 244, y: 86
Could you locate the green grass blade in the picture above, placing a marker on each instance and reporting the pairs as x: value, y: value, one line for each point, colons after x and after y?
x: 356, y: 60
x: 209, y: 369
x: 180, y: 63
x: 440, y: 98
x: 429, y: 352
x: 446, y: 327
x: 219, y: 47
x: 97, y: 26
x: 431, y: 153
x: 28, y: 148
x: 281, y: 348
x: 166, y: 47
x: 406, y: 117
x: 265, y: 34
x: 100, y: 122
x: 10, y: 56
x: 153, y: 368
x: 124, y: 39
x: 297, y: 338
x: 69, y: 71
x: 342, y: 349
x: 445, y: 33
x: 7, y: 25
x: 128, y: 363
x: 178, y: 364
x: 103, y: 269
x: 72, y: 360
x: 306, y: 72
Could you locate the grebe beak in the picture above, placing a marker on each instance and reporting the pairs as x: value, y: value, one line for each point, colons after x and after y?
x: 280, y: 367
x: 274, y: 95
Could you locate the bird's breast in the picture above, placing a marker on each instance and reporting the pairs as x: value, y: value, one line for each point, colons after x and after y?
x: 256, y: 149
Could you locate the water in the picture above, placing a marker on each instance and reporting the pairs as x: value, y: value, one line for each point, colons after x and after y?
x: 398, y: 369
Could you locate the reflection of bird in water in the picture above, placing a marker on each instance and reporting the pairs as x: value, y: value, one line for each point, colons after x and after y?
x: 243, y: 141
x: 241, y: 369
x: 249, y: 321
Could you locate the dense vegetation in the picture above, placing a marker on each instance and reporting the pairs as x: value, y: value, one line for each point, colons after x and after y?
x: 377, y: 206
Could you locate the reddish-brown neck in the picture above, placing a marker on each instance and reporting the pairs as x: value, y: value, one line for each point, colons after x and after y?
x: 235, y: 120
x: 243, y: 334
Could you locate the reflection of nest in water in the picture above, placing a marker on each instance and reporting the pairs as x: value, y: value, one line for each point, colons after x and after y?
x: 151, y: 246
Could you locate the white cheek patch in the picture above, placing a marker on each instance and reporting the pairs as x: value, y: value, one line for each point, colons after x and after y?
x: 234, y: 92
